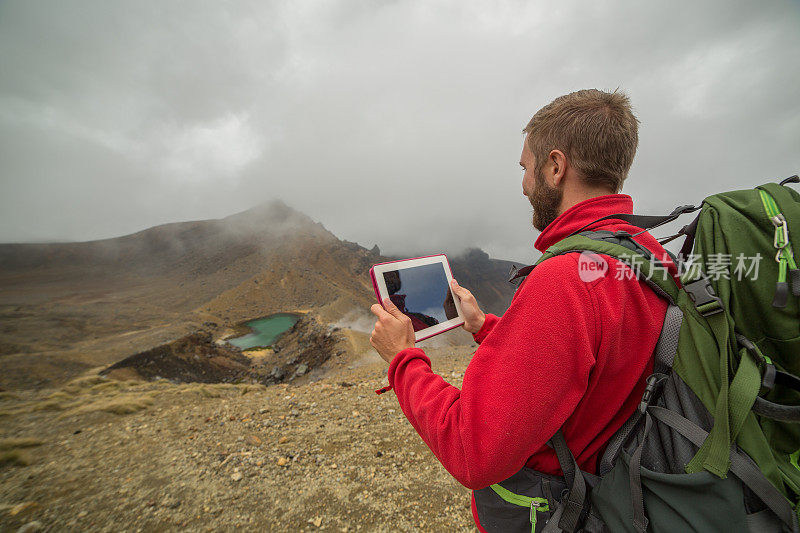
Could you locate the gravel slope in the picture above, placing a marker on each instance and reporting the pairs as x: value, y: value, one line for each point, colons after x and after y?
x: 327, y: 455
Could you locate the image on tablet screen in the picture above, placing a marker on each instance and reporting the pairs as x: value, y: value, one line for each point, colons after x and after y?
x: 422, y: 293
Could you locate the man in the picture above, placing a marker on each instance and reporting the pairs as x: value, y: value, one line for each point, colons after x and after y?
x: 571, y: 352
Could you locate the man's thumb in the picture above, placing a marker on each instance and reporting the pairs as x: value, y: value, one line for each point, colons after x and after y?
x: 458, y: 289
x: 392, y: 309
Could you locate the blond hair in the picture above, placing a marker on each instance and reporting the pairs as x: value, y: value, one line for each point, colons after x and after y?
x: 596, y: 130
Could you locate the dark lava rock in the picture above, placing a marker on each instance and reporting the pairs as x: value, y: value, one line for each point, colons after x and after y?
x: 193, y: 358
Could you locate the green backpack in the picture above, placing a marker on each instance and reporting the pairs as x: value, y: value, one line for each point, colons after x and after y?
x: 714, y: 445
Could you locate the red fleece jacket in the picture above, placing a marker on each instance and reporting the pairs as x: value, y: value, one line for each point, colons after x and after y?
x: 566, y: 354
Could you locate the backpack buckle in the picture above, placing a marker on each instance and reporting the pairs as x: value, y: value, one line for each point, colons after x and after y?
x: 703, y: 296
x: 653, y: 381
x: 516, y: 273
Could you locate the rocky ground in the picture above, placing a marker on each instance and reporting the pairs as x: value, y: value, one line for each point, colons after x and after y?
x: 326, y: 454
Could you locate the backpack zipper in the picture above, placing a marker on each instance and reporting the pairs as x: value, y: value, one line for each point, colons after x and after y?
x: 784, y: 255
x: 538, y: 505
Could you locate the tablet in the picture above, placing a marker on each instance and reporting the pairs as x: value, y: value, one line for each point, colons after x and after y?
x: 420, y: 288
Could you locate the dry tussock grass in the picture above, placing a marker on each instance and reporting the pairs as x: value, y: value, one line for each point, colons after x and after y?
x: 210, y: 392
x: 203, y: 390
x: 250, y: 387
x: 216, y: 390
x: 92, y: 394
x: 60, y: 395
x: 14, y: 457
x: 122, y: 404
x: 19, y: 442
x: 6, y: 395
x: 108, y: 385
x: 79, y: 384
x: 223, y: 386
x: 52, y: 405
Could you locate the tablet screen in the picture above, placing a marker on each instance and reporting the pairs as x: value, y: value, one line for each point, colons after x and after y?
x: 422, y: 293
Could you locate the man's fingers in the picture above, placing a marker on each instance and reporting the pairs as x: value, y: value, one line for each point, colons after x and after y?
x: 378, y: 311
x: 392, y: 309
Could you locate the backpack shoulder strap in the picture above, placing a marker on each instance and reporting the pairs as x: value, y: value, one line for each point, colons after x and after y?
x: 621, y: 246
x: 645, y: 221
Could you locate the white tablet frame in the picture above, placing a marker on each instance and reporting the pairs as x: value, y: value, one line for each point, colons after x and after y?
x: 381, y: 292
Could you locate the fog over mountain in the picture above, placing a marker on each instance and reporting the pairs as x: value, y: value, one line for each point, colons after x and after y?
x: 396, y: 123
x: 66, y: 307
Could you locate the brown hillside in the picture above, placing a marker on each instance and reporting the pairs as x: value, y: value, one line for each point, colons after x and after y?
x: 69, y: 307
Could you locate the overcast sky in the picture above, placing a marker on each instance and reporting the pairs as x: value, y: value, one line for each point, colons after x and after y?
x: 396, y: 123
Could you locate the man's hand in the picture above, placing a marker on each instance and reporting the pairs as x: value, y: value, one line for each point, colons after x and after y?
x: 473, y: 316
x: 393, y: 332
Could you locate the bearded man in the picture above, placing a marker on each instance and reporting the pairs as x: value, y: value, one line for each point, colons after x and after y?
x: 571, y: 352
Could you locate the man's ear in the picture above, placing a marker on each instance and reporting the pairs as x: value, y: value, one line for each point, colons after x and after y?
x: 557, y: 162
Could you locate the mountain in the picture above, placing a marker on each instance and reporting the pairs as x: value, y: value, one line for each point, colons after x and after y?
x: 67, y: 307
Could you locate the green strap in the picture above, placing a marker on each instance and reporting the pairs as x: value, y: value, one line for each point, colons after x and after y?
x: 744, y: 390
x: 713, y: 455
x: 652, y: 272
x: 536, y: 505
x: 734, y: 403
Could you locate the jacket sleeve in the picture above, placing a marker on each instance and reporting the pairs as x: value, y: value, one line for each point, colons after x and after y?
x: 523, y: 382
x: 488, y: 326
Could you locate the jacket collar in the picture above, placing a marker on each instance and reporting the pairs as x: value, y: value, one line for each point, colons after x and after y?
x: 581, y: 214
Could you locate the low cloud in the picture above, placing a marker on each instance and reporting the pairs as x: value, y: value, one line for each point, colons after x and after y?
x: 391, y: 123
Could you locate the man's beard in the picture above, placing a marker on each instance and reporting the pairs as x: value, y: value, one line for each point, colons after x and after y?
x: 545, y: 201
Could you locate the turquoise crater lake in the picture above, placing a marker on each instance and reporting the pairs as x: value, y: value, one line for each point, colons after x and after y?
x: 265, y: 331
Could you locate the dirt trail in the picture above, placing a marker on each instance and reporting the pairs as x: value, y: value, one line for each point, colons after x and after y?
x: 327, y: 455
